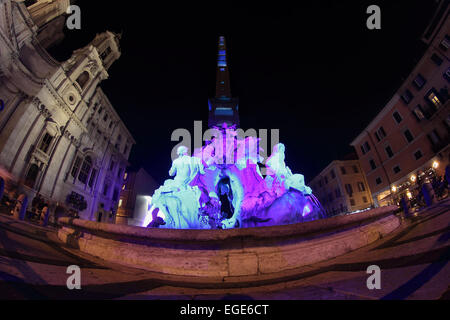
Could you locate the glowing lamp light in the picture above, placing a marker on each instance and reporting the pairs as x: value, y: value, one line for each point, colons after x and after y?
x: 409, y: 195
x: 435, y: 165
x: 413, y: 178
x: 394, y: 189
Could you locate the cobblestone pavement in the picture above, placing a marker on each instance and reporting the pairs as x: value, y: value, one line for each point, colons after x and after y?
x: 414, y: 262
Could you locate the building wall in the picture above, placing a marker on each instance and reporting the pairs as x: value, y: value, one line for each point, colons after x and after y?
x: 135, y: 196
x: 342, y: 188
x: 410, y: 109
x: 59, y: 133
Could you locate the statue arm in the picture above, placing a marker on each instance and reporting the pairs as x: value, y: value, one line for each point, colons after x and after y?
x: 202, y: 168
x: 173, y: 170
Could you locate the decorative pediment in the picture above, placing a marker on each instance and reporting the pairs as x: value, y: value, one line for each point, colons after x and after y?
x: 92, y: 66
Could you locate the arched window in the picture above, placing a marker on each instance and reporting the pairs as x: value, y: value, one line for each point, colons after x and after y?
x: 31, y: 176
x: 83, y: 79
x: 76, y: 167
x: 85, y: 170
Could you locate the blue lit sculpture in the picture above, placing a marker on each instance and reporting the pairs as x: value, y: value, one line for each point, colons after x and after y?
x: 221, y: 186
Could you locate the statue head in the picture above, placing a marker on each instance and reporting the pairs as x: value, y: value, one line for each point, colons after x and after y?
x: 182, y: 151
x: 279, y: 148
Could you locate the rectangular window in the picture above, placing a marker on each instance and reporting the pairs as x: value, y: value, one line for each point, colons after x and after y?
x: 84, y: 172
x: 445, y: 43
x: 355, y: 169
x: 352, y: 202
x: 76, y: 167
x: 105, y: 53
x: 45, y: 143
x: 378, y: 181
x: 349, y: 189
x: 343, y: 170
x: 361, y: 187
x: 446, y: 122
x: 418, y: 154
x: 372, y: 164
x: 408, y: 135
x: 92, y: 178
x: 326, y: 179
x: 365, y: 199
x: 381, y: 133
x: 447, y: 75
x: 377, y: 136
x: 436, y: 59
x: 398, y: 118
x: 419, y: 81
x: 397, y: 169
x: 407, y: 96
x: 433, y: 98
x: 365, y: 147
x: 389, y: 151
x: 333, y: 175
x: 418, y: 113
x: 434, y: 137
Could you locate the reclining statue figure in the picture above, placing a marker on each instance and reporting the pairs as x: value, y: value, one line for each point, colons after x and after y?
x: 280, y: 177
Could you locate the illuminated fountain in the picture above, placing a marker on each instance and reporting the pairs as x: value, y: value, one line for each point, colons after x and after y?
x: 221, y: 187
x: 274, y: 222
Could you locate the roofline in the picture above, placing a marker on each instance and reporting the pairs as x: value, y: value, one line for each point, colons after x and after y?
x: 330, y: 165
x: 379, y: 116
x: 104, y: 96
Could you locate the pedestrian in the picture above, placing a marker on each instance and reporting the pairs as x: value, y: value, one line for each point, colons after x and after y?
x: 100, y: 213
x: 447, y: 174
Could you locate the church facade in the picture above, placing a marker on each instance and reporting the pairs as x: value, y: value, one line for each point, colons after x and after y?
x: 60, y: 136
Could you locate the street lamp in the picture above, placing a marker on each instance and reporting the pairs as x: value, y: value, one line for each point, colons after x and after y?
x: 435, y: 165
x: 409, y: 195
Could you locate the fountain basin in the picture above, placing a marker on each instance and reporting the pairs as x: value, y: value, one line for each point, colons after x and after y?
x: 228, y: 255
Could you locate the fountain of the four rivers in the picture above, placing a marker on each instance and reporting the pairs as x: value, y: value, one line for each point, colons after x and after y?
x: 220, y: 222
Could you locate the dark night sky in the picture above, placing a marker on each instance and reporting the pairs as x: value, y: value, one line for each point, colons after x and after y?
x: 314, y: 71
